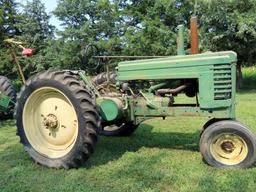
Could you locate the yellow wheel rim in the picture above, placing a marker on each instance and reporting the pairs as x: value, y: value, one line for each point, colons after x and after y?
x: 50, y: 122
x: 229, y: 149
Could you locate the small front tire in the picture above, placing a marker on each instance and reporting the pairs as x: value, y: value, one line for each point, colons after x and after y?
x: 228, y: 144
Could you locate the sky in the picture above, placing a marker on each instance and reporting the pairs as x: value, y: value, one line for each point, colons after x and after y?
x: 50, y: 5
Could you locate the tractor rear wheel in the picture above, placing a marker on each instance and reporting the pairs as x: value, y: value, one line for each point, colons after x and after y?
x: 106, y: 84
x: 7, y: 89
x: 228, y: 144
x: 57, y: 120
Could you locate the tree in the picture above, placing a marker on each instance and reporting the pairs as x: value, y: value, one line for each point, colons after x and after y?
x: 87, y: 22
x: 121, y: 27
x: 9, y: 18
x: 153, y: 30
x: 229, y: 25
x: 36, y: 34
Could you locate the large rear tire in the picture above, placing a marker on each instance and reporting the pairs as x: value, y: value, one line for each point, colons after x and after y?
x: 106, y: 84
x: 228, y: 144
x: 57, y: 120
x: 7, y: 89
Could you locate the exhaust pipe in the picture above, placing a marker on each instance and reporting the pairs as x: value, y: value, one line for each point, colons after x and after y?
x: 194, y: 35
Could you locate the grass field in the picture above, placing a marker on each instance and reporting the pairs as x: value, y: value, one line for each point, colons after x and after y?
x: 160, y: 156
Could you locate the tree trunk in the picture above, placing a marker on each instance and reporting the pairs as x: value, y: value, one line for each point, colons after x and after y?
x: 239, y: 75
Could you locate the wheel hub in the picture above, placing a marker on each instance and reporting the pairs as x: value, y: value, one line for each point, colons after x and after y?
x: 51, y: 121
x: 229, y: 149
x: 228, y: 146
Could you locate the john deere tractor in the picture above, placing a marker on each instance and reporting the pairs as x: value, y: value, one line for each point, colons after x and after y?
x: 61, y: 113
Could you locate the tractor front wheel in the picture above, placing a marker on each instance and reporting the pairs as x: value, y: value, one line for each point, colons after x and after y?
x: 57, y: 120
x: 228, y: 144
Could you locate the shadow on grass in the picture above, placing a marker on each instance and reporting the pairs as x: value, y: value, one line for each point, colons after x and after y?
x: 111, y: 148
x: 7, y: 123
x: 249, y: 78
x: 245, y: 91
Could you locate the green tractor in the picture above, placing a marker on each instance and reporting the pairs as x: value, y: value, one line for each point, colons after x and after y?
x: 61, y: 113
x: 7, y: 98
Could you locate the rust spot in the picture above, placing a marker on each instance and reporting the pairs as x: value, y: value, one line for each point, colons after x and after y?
x: 190, y: 114
x: 194, y: 35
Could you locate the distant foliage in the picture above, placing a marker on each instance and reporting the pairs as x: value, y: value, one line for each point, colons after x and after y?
x: 9, y: 19
x: 229, y: 25
x: 122, y: 27
x: 146, y: 27
x: 36, y: 33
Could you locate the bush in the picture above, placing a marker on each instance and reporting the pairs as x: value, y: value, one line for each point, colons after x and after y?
x: 249, y: 77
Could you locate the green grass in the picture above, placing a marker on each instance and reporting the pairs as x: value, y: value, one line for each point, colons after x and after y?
x: 160, y: 156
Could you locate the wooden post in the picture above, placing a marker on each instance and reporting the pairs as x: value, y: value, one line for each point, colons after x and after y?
x: 17, y: 63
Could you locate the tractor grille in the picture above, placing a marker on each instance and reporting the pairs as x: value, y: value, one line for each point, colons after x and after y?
x: 222, y: 81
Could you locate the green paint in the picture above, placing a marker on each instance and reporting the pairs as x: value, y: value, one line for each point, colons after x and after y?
x: 88, y: 83
x: 180, y: 40
x: 215, y: 74
x: 109, y: 110
x: 4, y: 102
